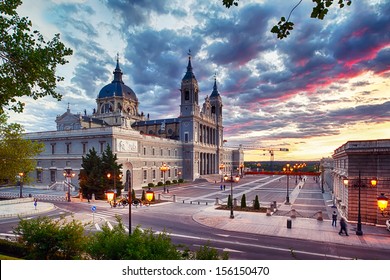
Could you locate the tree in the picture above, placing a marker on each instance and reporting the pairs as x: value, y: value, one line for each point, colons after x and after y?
x: 16, y: 153
x: 283, y: 27
x: 27, y: 62
x: 90, y: 177
x: 256, y: 204
x: 111, y: 166
x: 243, y: 201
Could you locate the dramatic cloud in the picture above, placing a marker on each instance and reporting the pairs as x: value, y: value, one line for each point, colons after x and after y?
x: 327, y: 77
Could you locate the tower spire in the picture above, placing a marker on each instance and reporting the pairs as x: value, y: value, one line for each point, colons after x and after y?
x: 215, y: 88
x: 117, y: 72
x: 189, y: 74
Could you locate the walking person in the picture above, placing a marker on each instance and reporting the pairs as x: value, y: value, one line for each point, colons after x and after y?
x: 343, y: 227
x: 334, y: 219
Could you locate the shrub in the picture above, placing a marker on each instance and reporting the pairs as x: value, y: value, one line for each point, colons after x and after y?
x: 181, y: 180
x: 167, y: 182
x: 160, y: 184
x: 150, y: 185
x: 229, y: 203
x: 174, y: 181
x: 256, y: 204
x: 243, y: 201
x: 13, y: 249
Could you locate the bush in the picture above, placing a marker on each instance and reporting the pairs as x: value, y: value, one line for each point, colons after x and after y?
x: 150, y: 185
x: 229, y: 203
x: 256, y: 204
x: 13, y: 249
x: 181, y: 180
x: 174, y: 181
x: 243, y: 201
x: 160, y: 184
x: 167, y: 182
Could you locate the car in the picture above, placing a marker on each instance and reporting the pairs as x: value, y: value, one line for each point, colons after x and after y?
x: 388, y: 224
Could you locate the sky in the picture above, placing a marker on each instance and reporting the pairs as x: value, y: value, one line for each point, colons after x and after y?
x: 324, y: 85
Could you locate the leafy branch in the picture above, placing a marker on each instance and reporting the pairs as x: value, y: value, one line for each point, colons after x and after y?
x: 284, y: 26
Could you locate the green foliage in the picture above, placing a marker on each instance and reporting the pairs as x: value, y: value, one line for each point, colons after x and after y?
x: 209, y: 253
x: 283, y: 28
x: 28, y: 62
x: 16, y: 153
x: 44, y: 238
x: 47, y: 239
x: 93, y: 177
x: 150, y: 185
x: 160, y: 184
x: 243, y: 201
x: 256, y: 204
x: 90, y: 178
x: 229, y: 203
x: 181, y: 180
x: 133, y: 195
x: 143, y: 197
x: 167, y: 182
x: 14, y: 249
x: 174, y: 181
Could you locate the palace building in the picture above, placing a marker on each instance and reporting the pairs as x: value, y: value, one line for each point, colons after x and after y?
x: 191, y: 144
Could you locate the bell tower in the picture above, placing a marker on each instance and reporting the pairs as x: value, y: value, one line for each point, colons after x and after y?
x: 189, y: 105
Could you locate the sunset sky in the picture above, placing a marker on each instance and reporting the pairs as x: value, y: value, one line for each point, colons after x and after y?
x: 326, y: 84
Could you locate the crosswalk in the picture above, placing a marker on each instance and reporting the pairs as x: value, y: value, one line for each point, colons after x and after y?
x: 109, y: 218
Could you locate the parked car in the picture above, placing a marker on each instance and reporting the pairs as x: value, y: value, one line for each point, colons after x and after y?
x: 388, y: 224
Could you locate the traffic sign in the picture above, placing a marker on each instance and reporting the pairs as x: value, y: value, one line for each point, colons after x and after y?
x: 93, y: 208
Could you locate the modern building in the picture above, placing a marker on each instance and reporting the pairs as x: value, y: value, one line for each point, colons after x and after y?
x: 360, y: 162
x: 191, y: 144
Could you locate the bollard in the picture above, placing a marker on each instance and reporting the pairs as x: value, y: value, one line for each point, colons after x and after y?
x: 174, y: 198
x: 319, y: 216
x: 289, y: 223
x: 293, y: 213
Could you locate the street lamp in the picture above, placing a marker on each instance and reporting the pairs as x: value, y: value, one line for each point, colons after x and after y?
x: 164, y: 168
x: 149, y: 195
x: 382, y: 201
x: 221, y: 167
x: 68, y: 174
x: 21, y: 175
x: 235, y: 179
x: 241, y: 168
x: 114, y: 177
x: 178, y: 177
x: 288, y: 169
x: 359, y: 184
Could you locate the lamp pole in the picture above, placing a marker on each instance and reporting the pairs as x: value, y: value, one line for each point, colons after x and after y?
x: 130, y: 200
x: 164, y: 168
x: 236, y: 179
x: 287, y: 169
x: 21, y: 174
x: 221, y: 167
x: 359, y: 185
x: 68, y: 174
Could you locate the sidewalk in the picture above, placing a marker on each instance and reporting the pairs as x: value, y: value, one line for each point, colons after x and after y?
x: 23, y: 207
x: 302, y: 228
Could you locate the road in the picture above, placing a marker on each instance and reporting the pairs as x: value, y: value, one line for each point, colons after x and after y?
x: 177, y: 220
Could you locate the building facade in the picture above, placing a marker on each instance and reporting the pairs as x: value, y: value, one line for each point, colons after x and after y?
x: 191, y: 144
x: 360, y: 162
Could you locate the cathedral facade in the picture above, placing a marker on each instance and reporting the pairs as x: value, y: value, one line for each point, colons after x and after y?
x: 191, y: 144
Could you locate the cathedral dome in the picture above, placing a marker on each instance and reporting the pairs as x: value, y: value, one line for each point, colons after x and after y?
x: 117, y: 87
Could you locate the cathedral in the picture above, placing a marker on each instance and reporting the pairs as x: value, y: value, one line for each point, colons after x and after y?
x: 191, y: 145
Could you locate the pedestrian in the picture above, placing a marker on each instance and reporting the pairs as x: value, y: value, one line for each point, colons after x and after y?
x: 343, y: 226
x: 224, y: 187
x: 334, y: 219
x: 221, y: 187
